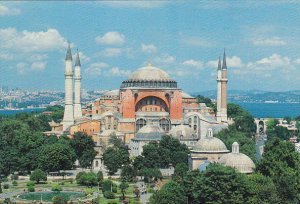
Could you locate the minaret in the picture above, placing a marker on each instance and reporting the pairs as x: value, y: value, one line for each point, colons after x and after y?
x: 68, y: 114
x: 224, y: 81
x: 77, y: 89
x: 219, y: 92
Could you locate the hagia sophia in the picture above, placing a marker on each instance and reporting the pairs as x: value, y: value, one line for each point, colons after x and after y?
x: 148, y: 105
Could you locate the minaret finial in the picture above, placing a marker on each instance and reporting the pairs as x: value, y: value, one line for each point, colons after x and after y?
x: 69, y: 53
x: 224, y: 66
x: 77, y: 62
x: 219, y: 63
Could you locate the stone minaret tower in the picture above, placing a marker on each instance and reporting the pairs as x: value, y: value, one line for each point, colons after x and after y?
x: 224, y: 89
x: 69, y: 113
x: 77, y: 88
x: 219, y: 92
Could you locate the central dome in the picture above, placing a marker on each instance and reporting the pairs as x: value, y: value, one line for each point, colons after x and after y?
x: 149, y: 77
x: 149, y: 73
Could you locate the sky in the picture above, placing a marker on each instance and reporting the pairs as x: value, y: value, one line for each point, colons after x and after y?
x: 184, y: 38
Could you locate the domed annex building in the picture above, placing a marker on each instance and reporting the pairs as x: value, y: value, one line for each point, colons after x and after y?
x: 148, y: 105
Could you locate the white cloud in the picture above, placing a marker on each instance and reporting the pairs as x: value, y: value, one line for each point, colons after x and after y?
x: 38, y: 66
x: 28, y: 41
x: 82, y: 56
x: 148, y: 48
x: 232, y: 62
x: 165, y: 59
x: 145, y: 4
x: 116, y: 71
x: 111, y: 52
x: 21, y: 68
x: 6, y: 56
x: 273, y: 41
x: 96, y: 69
x: 274, y: 60
x: 111, y: 38
x: 6, y: 11
x: 193, y: 63
x: 38, y: 57
x: 297, y: 61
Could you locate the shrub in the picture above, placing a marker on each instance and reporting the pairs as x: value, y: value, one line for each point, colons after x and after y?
x: 30, y: 188
x: 88, y: 191
x: 56, y: 187
x: 59, y: 200
x: 106, y: 185
x: 109, y: 195
x: 6, y: 186
x: 14, y: 183
x: 114, y: 188
x: 30, y: 183
x: 86, y: 179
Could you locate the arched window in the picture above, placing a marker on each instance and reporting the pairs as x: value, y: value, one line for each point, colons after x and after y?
x: 140, y: 123
x: 164, y: 124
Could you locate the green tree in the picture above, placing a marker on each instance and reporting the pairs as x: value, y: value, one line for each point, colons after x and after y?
x: 180, y: 171
x: 219, y: 184
x: 123, y: 186
x: 170, y: 193
x: 128, y: 173
x: 282, y: 163
x: 56, y: 187
x: 56, y: 157
x: 280, y: 132
x: 38, y: 175
x: 87, y: 179
x: 100, y: 176
x: 84, y: 149
x: 115, y: 157
x: 150, y: 174
x: 263, y: 189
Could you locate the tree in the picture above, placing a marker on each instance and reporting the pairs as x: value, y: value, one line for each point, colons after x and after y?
x: 123, y: 186
x: 231, y: 135
x: 180, y: 171
x: 84, y: 149
x: 38, y: 175
x: 219, y: 184
x: 150, y: 173
x: 171, y: 193
x: 87, y: 179
x: 56, y: 157
x: 116, y: 156
x: 282, y: 164
x: 280, y: 132
x: 263, y: 189
x: 99, y: 176
x: 56, y: 187
x: 128, y: 173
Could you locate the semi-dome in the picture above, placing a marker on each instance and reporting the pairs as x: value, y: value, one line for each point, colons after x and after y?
x: 210, y: 144
x: 149, y: 77
x: 237, y: 160
x: 149, y: 132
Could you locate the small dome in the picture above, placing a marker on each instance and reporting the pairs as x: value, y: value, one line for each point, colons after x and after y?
x: 237, y: 160
x: 210, y: 144
x: 150, y: 132
x: 183, y: 132
x: 149, y: 73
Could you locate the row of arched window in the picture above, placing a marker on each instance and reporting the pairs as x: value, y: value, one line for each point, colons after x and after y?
x: 154, y: 84
x: 163, y: 123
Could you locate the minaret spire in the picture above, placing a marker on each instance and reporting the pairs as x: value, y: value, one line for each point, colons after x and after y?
x: 219, y: 63
x: 224, y: 66
x: 77, y: 61
x: 69, y: 53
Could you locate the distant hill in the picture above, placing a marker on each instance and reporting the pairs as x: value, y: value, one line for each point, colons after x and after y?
x: 256, y: 96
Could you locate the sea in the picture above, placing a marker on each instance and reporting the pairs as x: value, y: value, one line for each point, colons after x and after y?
x: 25, y: 110
x: 258, y: 110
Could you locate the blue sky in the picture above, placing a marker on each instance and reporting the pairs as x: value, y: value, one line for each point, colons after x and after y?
x: 184, y: 38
